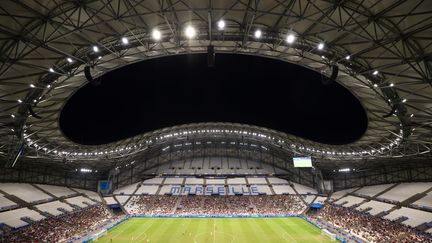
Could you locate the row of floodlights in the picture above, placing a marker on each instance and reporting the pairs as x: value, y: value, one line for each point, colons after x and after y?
x: 175, y: 134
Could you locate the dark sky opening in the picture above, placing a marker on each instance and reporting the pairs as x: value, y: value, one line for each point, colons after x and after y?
x: 181, y: 89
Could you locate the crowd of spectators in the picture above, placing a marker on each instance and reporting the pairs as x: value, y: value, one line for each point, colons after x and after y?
x: 215, y: 205
x: 61, y: 228
x: 368, y: 227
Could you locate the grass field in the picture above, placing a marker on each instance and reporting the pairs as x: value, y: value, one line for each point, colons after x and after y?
x: 224, y: 230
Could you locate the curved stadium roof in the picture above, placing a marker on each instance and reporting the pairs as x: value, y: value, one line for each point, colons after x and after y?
x: 382, y: 48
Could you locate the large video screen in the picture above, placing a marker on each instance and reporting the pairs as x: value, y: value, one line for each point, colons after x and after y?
x: 302, y: 161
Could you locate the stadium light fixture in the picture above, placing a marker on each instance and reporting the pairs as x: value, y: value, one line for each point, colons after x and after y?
x: 19, y: 101
x: 124, y: 40
x: 221, y: 24
x: 258, y: 34
x: 156, y: 34
x: 95, y: 49
x: 51, y: 70
x: 391, y: 84
x: 375, y: 85
x: 347, y: 57
x: 190, y: 32
x: 12, y: 115
x: 411, y: 115
x: 320, y: 46
x: 375, y: 72
x: 344, y: 170
x: 404, y: 100
x: 290, y: 38
x: 84, y: 170
x: 32, y: 86
x: 69, y: 60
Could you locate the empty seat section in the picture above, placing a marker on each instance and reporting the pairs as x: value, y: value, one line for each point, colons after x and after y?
x: 6, y: 203
x: 320, y: 200
x: 257, y: 181
x: 194, y: 181
x: 25, y: 192
x: 110, y: 200
x: 236, y: 181
x: 415, y: 217
x: 276, y: 181
x: 405, y: 190
x: 349, y: 201
x: 58, y: 191
x: 215, y: 181
x: 425, y: 202
x: 153, y: 181
x: 375, y: 207
x: 261, y: 189
x: 53, y: 207
x: 337, y: 195
x: 371, y: 191
x: 91, y: 194
x: 309, y: 198
x: 121, y: 199
x: 173, y: 181
x: 147, y: 189
x: 283, y: 189
x: 304, y: 189
x: 80, y: 201
x: 127, y: 190
x: 12, y: 218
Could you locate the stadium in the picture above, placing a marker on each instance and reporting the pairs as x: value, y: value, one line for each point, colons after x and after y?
x: 215, y: 121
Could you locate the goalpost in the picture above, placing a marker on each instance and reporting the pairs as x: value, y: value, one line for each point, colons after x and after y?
x: 329, y: 234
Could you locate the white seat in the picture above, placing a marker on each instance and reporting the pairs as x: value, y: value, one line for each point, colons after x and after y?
x: 301, y: 189
x: 25, y: 192
x: 12, y: 218
x: 91, y: 194
x: 6, y: 203
x: 376, y: 207
x: 283, y: 189
x: 373, y: 190
x: 405, y: 190
x: 350, y: 201
x: 127, y: 190
x: 58, y: 191
x: 147, y: 189
x: 110, y: 200
x: 53, y: 207
x: 80, y: 201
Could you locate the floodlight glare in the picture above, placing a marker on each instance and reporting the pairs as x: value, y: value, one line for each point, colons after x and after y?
x: 375, y: 72
x: 221, y: 24
x: 156, y: 34
x: 69, y: 60
x: 95, y: 49
x: 190, y: 32
x: 290, y: 38
x: 125, y: 41
x: 348, y: 57
x: 320, y: 46
x: 258, y: 34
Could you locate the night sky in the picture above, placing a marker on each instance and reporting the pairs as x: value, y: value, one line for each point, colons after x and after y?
x: 181, y: 89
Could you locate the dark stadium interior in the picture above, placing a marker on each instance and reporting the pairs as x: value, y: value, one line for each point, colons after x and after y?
x: 181, y: 89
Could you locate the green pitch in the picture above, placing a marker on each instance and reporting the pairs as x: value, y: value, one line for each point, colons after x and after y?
x: 208, y: 230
